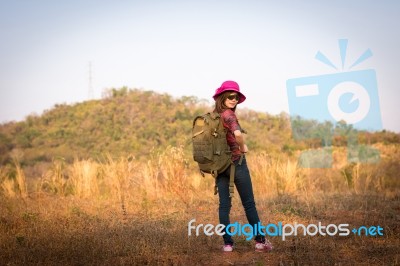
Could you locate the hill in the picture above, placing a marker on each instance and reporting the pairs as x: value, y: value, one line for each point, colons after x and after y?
x: 123, y: 122
x: 135, y: 122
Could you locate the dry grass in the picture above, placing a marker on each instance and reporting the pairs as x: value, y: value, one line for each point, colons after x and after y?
x: 124, y: 212
x: 13, y: 181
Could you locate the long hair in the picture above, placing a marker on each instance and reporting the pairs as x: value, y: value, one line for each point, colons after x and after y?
x: 220, y: 102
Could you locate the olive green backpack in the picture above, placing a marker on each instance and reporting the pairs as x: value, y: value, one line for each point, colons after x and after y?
x: 210, y: 148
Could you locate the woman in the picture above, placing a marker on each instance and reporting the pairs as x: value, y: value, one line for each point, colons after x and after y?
x: 227, y: 97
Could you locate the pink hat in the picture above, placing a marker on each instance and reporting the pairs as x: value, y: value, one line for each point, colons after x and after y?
x: 229, y: 85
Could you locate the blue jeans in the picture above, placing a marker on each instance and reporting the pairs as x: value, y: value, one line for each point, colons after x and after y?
x: 245, y: 189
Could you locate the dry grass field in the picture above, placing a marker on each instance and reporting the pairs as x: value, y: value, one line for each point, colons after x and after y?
x: 123, y: 212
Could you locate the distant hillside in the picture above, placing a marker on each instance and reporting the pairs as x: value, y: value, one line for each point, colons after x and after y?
x: 134, y: 122
x: 124, y: 122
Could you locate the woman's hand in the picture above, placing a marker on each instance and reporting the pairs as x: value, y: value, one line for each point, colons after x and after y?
x: 244, y: 149
x: 240, y: 140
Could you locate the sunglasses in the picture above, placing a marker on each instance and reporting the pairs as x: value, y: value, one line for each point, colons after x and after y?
x: 233, y: 97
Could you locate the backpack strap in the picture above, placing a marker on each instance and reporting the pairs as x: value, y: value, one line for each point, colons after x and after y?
x: 231, y: 180
x: 241, y: 159
x: 232, y: 170
x: 215, y: 175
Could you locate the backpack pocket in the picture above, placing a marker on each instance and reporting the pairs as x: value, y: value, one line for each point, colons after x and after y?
x: 203, y: 157
x: 202, y: 149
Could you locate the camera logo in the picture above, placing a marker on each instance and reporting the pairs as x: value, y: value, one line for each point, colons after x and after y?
x: 349, y: 98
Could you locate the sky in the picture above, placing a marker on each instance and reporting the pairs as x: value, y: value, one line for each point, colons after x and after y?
x: 189, y: 48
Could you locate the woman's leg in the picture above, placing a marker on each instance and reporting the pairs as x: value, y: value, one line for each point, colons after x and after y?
x: 224, y: 203
x: 245, y: 189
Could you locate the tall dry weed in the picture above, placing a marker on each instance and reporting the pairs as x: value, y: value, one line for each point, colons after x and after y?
x: 170, y: 175
x: 20, y: 180
x: 363, y: 179
x: 83, y: 178
x: 6, y: 183
x: 55, y: 180
x: 13, y: 181
x: 166, y: 175
x: 274, y: 177
x: 118, y: 177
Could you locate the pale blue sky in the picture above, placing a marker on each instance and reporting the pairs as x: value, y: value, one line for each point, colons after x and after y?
x: 188, y: 48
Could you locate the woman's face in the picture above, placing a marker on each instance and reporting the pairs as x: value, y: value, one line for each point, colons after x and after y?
x: 232, y: 100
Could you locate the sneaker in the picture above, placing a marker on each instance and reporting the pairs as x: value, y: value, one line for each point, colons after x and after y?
x: 227, y: 248
x: 263, y: 247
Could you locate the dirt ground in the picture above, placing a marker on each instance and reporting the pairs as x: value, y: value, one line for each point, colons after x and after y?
x: 46, y: 230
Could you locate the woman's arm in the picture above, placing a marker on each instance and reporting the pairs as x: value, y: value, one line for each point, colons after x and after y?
x: 240, y: 140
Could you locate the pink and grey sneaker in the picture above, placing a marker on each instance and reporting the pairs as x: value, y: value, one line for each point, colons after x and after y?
x: 227, y: 248
x: 263, y: 246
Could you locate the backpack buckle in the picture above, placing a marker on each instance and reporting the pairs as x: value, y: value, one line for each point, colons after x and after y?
x: 215, y: 134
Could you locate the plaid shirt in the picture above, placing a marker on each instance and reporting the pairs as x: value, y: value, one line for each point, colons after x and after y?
x: 231, y: 123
